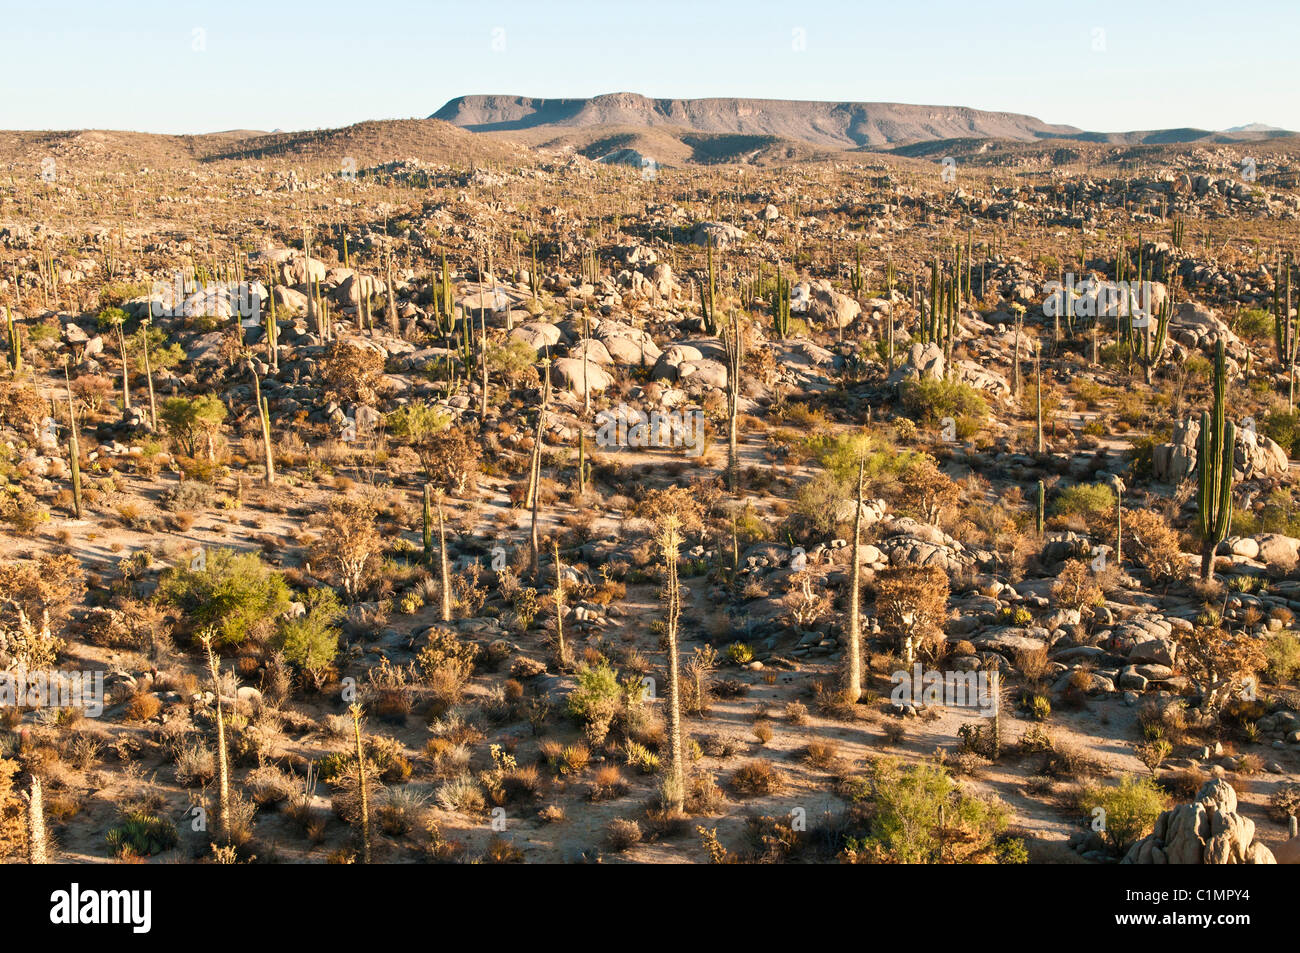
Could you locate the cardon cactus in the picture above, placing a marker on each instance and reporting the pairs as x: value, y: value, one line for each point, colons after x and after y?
x: 1214, y: 467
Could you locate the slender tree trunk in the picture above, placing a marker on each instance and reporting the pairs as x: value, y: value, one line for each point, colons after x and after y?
x: 560, y: 651
x: 361, y: 782
x: 675, y: 778
x: 223, y: 765
x: 36, y: 848
x: 443, y: 569
x: 148, y: 376
x: 853, y: 651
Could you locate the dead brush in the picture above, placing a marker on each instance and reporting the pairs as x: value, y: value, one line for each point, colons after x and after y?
x: 756, y: 778
x: 607, y: 784
x: 822, y: 754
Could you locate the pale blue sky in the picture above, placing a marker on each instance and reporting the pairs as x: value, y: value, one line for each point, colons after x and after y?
x: 96, y: 63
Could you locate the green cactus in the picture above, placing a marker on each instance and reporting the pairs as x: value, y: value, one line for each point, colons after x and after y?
x: 708, y: 295
x: 15, y: 343
x: 1039, y: 509
x: 1214, y: 469
x: 780, y: 302
x: 1150, y: 346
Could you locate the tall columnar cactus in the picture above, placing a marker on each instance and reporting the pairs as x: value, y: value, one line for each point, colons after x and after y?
x: 15, y: 343
x: 1214, y: 467
x: 390, y: 301
x: 533, y: 281
x: 273, y: 329
x: 930, y: 329
x: 1039, y: 509
x: 733, y: 343
x: 1038, y: 386
x: 780, y: 303
x: 857, y: 283
x: 1119, y: 529
x: 264, y: 419
x: 1151, y: 343
x: 709, y: 293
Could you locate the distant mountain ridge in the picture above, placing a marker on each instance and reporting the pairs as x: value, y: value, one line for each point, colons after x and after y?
x: 827, y: 125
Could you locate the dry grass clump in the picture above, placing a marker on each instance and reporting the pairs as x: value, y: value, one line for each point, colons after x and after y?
x: 756, y: 778
x: 622, y: 834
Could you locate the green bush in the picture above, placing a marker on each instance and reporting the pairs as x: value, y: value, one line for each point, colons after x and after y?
x: 1131, y: 808
x: 234, y: 594
x: 597, y: 692
x: 840, y: 454
x: 931, y: 400
x: 513, y: 362
x: 904, y: 825
x: 1283, y: 427
x: 311, y: 641
x: 1283, y: 652
x: 116, y: 293
x: 192, y: 421
x: 1255, y: 324
x: 1085, y: 499
x: 142, y: 835
x: 416, y: 422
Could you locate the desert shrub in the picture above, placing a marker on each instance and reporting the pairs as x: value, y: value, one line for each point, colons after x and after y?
x: 13, y: 812
x: 349, y: 545
x: 622, y: 833
x: 193, y: 422
x: 234, y: 594
x: 1151, y: 541
x: 1283, y: 653
x: 756, y: 778
x: 1285, y: 801
x: 1076, y: 587
x: 442, y: 648
x: 141, y: 706
x: 931, y: 400
x: 912, y: 606
x: 514, y: 362
x: 840, y: 454
x: 36, y: 598
x: 311, y: 641
x: 925, y: 491
x: 1088, y: 500
x: 919, y: 815
x: 596, y: 699
x: 188, y: 495
x: 1131, y: 808
x: 350, y: 372
x: 142, y: 834
x: 1283, y: 427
